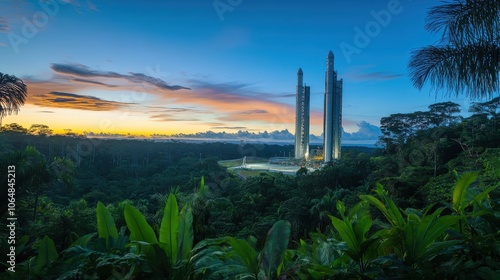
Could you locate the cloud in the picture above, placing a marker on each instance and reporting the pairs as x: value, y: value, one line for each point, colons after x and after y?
x: 237, y: 102
x: 363, y: 73
x: 47, y: 112
x: 92, y: 82
x: 228, y: 104
x: 230, y: 127
x: 178, y: 111
x: 92, y: 6
x: 284, y: 95
x: 366, y: 131
x: 173, y: 118
x: 255, y: 111
x: 80, y: 70
x: 283, y: 135
x: 4, y: 26
x: 377, y: 76
x: 240, y: 88
x: 75, y: 101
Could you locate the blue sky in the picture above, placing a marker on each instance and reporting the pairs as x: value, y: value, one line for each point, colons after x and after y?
x: 163, y: 67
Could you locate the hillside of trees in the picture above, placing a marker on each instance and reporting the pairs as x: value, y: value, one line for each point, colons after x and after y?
x: 422, y: 206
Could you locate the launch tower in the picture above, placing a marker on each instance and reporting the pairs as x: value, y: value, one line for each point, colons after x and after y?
x: 302, y: 118
x: 332, y: 118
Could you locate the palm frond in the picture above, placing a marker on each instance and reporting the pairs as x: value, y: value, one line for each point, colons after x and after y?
x: 471, y: 69
x: 465, y: 21
x: 13, y: 93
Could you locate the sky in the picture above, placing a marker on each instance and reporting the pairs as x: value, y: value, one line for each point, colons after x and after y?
x: 170, y: 67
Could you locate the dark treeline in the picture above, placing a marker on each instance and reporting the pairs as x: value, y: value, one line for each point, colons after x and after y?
x: 61, y: 181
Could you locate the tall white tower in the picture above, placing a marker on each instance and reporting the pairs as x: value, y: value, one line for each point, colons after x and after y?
x: 302, y: 118
x: 332, y: 118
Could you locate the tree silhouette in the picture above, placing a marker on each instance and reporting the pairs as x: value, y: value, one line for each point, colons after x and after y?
x: 467, y: 58
x: 13, y: 93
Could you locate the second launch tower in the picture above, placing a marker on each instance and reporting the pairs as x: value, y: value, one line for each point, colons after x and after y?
x: 332, y: 118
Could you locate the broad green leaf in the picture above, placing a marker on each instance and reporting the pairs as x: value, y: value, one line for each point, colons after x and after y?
x: 185, y: 235
x: 139, y: 228
x: 275, y: 247
x: 346, y: 233
x: 105, y: 223
x: 362, y: 226
x: 460, y: 190
x: 83, y: 241
x: 483, y: 195
x: 377, y: 203
x: 169, y: 227
x: 341, y: 207
x: 387, y: 207
x: 46, y: 253
x: 420, y: 234
x: 439, y: 247
x: 247, y: 254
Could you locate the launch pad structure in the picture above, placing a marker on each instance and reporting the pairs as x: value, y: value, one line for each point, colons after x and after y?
x: 304, y: 156
x: 332, y: 117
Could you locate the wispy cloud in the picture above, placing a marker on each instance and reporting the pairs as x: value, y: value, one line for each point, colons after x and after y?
x: 75, y: 101
x: 92, y: 82
x: 366, y: 73
x: 80, y: 70
x: 4, y: 25
x: 92, y: 6
x: 173, y: 118
x: 159, y: 109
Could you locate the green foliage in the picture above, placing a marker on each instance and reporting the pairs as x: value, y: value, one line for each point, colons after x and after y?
x: 353, y: 231
x: 271, y: 257
x: 105, y: 224
x: 170, y: 227
x: 247, y: 255
x: 241, y: 260
x: 140, y: 230
x: 387, y: 207
x: 145, y: 184
x: 460, y: 200
x: 185, y: 233
x: 420, y: 236
x: 46, y: 254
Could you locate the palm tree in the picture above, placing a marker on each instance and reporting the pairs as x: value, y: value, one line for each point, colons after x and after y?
x: 467, y: 58
x: 13, y: 92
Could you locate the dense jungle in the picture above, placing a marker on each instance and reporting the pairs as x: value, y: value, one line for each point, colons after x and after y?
x: 423, y: 204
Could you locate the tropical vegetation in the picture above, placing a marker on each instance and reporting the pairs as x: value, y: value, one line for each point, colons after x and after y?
x: 423, y: 205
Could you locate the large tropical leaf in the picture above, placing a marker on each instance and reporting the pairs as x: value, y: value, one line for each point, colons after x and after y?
x: 105, y: 224
x: 347, y: 234
x: 139, y: 228
x: 185, y: 234
x: 387, y: 207
x: 421, y: 233
x: 246, y: 253
x: 460, y: 191
x: 46, y: 253
x: 275, y: 247
x: 169, y: 227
